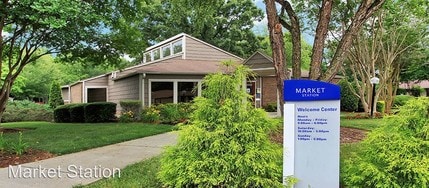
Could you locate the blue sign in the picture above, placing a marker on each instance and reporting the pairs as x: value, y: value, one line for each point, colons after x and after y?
x: 310, y: 90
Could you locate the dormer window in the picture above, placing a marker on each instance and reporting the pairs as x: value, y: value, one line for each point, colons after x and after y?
x: 164, y: 49
x: 177, y: 47
x: 156, y: 54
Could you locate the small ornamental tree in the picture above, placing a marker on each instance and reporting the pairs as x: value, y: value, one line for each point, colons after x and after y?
x: 396, y: 154
x: 55, y: 98
x: 349, y: 101
x: 226, y: 143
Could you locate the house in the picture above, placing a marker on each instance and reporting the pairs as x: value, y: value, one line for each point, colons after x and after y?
x: 424, y: 84
x: 168, y: 74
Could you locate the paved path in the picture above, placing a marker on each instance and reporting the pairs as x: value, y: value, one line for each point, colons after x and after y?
x: 84, y: 167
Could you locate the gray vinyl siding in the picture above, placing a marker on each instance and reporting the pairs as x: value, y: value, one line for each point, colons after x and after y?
x: 102, y: 81
x: 170, y: 77
x: 200, y: 51
x: 124, y: 89
x: 258, y: 61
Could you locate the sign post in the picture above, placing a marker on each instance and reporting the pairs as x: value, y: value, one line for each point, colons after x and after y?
x: 311, y: 137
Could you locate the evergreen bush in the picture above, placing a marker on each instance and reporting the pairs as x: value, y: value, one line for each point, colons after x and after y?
x: 226, y: 143
x: 26, y: 110
x: 349, y: 101
x: 62, y: 114
x: 397, y: 153
x: 99, y: 112
x: 77, y: 113
x: 416, y: 91
x: 380, y: 106
x: 55, y: 98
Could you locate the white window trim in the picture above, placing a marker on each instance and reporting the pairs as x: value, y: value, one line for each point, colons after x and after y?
x: 96, y: 87
x: 175, y: 87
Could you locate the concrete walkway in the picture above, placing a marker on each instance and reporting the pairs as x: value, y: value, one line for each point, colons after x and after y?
x: 84, y: 167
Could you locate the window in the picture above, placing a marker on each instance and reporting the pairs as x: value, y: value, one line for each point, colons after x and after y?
x: 147, y: 57
x: 166, y: 51
x: 187, y: 91
x: 162, y: 92
x: 156, y: 54
x: 96, y: 95
x: 177, y: 47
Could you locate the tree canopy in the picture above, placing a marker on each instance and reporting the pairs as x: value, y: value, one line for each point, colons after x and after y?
x: 226, y: 24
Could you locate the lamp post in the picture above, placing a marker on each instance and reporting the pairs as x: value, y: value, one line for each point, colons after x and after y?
x: 374, y: 81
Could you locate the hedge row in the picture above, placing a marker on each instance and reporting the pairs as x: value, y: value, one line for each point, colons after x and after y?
x: 90, y: 113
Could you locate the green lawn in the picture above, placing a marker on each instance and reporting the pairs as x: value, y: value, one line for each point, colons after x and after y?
x: 142, y: 174
x: 63, y: 138
x: 365, y: 124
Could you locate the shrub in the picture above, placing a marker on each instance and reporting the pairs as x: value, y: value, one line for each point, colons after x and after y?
x: 416, y: 91
x: 401, y: 91
x: 26, y: 111
x: 174, y: 113
x: 55, y: 98
x: 226, y: 143
x: 127, y: 117
x: 98, y: 112
x: 401, y: 100
x: 150, y: 115
x: 271, y: 107
x: 395, y: 154
x: 133, y: 106
x: 349, y: 101
x: 380, y: 106
x: 77, y: 113
x: 3, y: 142
x: 20, y: 147
x: 62, y: 114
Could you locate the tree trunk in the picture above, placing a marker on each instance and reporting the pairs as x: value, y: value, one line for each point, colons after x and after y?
x: 295, y: 31
x: 319, y: 39
x: 277, y: 45
x: 4, y: 96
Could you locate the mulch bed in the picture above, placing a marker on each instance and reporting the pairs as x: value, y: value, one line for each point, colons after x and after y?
x: 31, y: 155
x: 347, y: 135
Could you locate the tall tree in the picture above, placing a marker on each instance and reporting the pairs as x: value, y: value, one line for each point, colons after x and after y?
x: 357, y: 14
x: 400, y: 28
x: 67, y: 26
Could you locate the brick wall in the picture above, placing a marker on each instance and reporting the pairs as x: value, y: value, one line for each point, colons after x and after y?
x: 269, y: 90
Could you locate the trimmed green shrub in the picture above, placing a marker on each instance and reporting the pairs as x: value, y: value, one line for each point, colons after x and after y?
x: 55, y: 98
x: 395, y: 154
x: 380, y: 106
x: 349, y: 101
x: 99, y: 112
x: 401, y: 100
x: 62, y: 114
x: 25, y: 110
x: 416, y: 91
x: 133, y: 106
x: 271, y: 107
x: 401, y: 91
x: 150, y: 115
x: 226, y: 143
x: 77, y: 113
